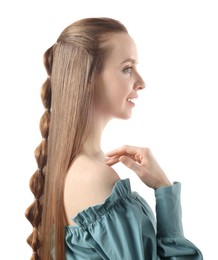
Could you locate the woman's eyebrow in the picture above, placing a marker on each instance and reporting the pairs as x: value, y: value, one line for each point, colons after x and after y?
x: 129, y: 60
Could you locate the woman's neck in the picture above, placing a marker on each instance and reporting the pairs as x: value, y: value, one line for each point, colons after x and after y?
x: 92, y: 145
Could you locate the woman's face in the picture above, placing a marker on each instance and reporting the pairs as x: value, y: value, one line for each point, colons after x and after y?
x: 119, y: 81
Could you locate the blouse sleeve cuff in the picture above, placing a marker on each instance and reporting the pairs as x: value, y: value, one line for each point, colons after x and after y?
x: 168, y: 211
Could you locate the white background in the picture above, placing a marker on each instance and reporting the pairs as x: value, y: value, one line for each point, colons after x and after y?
x: 176, y: 115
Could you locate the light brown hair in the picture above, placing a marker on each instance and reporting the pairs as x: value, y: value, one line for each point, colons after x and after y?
x: 72, y: 65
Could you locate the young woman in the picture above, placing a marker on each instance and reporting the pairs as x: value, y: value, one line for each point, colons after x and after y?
x: 83, y: 210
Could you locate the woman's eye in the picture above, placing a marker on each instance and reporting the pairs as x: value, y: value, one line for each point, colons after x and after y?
x: 127, y: 70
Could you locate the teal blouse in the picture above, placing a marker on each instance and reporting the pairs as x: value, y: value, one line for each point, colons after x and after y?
x: 124, y: 228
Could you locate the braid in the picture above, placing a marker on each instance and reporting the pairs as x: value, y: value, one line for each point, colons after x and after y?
x: 34, y: 211
x: 73, y: 66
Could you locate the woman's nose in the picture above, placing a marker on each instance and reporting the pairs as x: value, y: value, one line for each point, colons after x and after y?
x: 139, y: 83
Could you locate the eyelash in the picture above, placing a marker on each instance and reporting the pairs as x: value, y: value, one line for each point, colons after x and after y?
x: 128, y: 69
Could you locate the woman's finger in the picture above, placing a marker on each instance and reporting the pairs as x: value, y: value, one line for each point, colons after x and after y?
x: 126, y: 149
x: 115, y: 159
x: 131, y: 164
x: 111, y: 160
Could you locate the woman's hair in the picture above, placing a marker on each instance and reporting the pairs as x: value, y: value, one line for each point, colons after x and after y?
x: 72, y: 64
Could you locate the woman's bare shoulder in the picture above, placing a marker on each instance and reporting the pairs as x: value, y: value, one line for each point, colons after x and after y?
x: 88, y: 183
x: 89, y: 168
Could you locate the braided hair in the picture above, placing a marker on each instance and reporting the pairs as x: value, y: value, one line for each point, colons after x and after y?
x: 72, y: 64
x: 34, y: 211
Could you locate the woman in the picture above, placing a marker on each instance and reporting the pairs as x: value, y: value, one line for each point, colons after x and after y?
x: 82, y: 209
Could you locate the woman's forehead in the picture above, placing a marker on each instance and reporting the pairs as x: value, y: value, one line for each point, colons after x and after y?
x: 122, y: 48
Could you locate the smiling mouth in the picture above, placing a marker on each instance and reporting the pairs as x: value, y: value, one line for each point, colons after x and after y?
x: 130, y: 100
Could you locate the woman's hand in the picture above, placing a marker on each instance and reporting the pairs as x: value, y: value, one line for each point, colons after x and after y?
x: 142, y: 162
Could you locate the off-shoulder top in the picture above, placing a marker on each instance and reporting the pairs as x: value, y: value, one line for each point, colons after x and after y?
x: 125, y: 228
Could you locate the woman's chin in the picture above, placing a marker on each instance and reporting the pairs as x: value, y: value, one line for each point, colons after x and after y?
x: 122, y: 115
x: 126, y: 116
